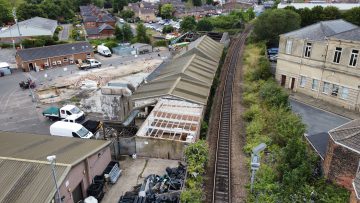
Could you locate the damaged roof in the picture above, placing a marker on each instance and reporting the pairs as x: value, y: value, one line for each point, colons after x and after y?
x: 348, y: 135
x: 32, y: 180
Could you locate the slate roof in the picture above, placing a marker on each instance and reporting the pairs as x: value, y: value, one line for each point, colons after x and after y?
x: 89, y: 18
x: 92, y: 31
x: 25, y: 172
x: 351, y: 35
x: 105, y: 27
x: 320, y: 31
x: 348, y: 135
x: 54, y: 50
x: 319, y: 142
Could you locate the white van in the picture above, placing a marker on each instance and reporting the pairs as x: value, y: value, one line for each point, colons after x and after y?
x: 67, y: 129
x: 103, y: 50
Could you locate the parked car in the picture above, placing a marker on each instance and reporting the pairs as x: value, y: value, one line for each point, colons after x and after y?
x: 273, y: 51
x: 4, y: 69
x: 55, y: 113
x: 67, y: 129
x: 273, y: 58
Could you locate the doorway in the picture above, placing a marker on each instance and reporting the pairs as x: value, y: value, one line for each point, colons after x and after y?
x: 31, y: 66
x: 292, y: 83
x: 283, y: 80
x: 77, y: 193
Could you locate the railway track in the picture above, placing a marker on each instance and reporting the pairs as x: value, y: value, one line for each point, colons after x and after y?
x: 222, y: 174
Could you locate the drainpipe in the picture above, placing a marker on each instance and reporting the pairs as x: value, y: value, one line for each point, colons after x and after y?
x: 323, y: 68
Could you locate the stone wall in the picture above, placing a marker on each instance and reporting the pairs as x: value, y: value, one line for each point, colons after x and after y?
x: 115, y: 107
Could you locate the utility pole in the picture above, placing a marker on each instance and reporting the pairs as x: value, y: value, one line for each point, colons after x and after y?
x: 52, y: 160
x: 17, y: 24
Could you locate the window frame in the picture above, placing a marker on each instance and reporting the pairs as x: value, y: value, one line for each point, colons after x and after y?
x: 288, y: 46
x: 317, y: 84
x: 337, y: 55
x: 354, y: 59
x: 342, y: 93
x: 302, y: 82
x: 328, y: 88
x: 307, y: 52
x: 335, y: 93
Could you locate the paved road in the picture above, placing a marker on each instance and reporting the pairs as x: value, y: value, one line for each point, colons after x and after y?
x: 64, y: 34
x: 316, y: 120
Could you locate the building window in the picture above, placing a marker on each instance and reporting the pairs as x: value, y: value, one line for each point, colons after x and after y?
x: 88, y: 56
x: 334, y: 90
x: 65, y: 59
x: 315, y: 84
x: 337, y: 55
x: 307, y: 50
x: 326, y: 88
x: 344, y: 93
x: 302, y: 81
x: 288, y: 46
x: 353, y: 57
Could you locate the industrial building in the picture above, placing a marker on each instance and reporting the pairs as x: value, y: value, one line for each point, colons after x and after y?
x: 180, y: 92
x: 26, y: 174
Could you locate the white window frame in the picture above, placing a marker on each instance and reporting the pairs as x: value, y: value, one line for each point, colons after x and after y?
x: 326, y: 90
x: 307, y: 53
x: 317, y: 84
x: 288, y: 46
x: 335, y: 90
x: 354, y: 58
x: 342, y: 93
x: 302, y: 82
x: 337, y: 55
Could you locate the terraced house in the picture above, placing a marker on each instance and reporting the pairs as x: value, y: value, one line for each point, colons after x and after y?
x: 322, y: 60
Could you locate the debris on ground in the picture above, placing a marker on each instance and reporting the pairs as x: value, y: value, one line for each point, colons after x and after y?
x: 158, y: 189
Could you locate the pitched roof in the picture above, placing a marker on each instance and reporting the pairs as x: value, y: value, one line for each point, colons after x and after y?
x: 352, y: 35
x: 356, y: 185
x: 32, y: 179
x: 348, y: 135
x: 320, y: 31
x: 319, y: 142
x: 105, y: 27
x: 54, y: 50
x: 205, y: 47
x: 92, y: 31
x: 36, y: 26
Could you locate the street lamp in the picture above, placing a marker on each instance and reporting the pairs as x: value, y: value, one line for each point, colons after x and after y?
x: 255, y: 162
x: 52, y: 160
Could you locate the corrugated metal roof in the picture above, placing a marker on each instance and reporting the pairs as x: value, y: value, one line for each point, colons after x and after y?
x: 25, y: 172
x: 205, y: 47
x: 54, y: 50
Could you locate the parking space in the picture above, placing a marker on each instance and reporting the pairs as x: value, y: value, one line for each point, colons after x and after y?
x: 317, y: 120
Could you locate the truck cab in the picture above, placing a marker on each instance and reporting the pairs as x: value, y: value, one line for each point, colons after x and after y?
x: 73, y: 111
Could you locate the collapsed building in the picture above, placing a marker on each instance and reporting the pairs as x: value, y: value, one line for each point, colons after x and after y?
x: 180, y: 93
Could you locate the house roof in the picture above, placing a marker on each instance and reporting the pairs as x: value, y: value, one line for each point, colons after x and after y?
x: 32, y: 179
x: 54, y: 50
x: 320, y: 31
x: 92, y: 31
x: 319, y: 142
x: 351, y: 35
x: 348, y: 135
x: 105, y: 27
x: 89, y: 18
x: 36, y: 26
x: 205, y: 47
x: 356, y: 185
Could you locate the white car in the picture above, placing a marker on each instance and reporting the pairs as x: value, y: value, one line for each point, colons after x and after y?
x: 159, y: 29
x: 121, y: 20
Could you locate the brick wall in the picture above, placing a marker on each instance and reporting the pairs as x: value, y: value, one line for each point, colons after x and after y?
x: 340, y: 164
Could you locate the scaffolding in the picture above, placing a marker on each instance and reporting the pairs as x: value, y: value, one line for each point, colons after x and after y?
x: 173, y: 120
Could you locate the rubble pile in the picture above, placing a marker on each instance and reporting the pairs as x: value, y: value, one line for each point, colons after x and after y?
x: 158, y: 189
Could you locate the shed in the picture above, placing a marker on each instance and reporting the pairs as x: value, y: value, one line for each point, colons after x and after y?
x: 142, y: 48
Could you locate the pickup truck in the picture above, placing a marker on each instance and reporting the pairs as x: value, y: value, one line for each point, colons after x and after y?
x: 56, y: 113
x: 87, y: 64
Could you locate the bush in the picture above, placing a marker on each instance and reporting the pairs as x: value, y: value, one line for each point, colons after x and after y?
x: 168, y: 29
x: 111, y: 44
x: 253, y: 112
x: 161, y: 43
x: 273, y: 95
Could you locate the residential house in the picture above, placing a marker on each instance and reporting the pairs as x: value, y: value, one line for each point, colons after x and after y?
x: 53, y: 56
x: 26, y: 174
x: 322, y: 61
x: 33, y: 27
x: 98, y: 23
x: 143, y: 10
x: 342, y: 159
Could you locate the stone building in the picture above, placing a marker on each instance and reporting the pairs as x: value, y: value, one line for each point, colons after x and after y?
x: 341, y: 162
x: 322, y: 61
x: 53, y: 56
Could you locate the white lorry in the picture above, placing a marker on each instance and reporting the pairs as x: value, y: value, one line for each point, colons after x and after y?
x: 67, y: 129
x: 103, y: 50
x: 55, y: 113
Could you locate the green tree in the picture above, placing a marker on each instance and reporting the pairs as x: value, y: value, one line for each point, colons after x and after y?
x: 167, y: 29
x: 141, y: 35
x: 128, y: 34
x: 274, y: 22
x: 209, y: 2
x: 188, y: 24
x: 167, y: 11
x: 5, y: 13
x: 204, y: 25
x: 127, y: 14
x: 318, y: 14
x: 51, y: 9
x: 352, y: 15
x: 118, y: 5
x: 26, y: 11
x: 119, y: 34
x: 197, y: 2
x: 331, y: 13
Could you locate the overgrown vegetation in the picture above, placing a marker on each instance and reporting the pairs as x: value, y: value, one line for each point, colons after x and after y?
x: 40, y: 42
x: 196, y: 156
x: 289, y: 170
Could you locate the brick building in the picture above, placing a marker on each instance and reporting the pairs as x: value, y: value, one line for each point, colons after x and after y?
x: 53, y: 56
x: 341, y: 161
x: 98, y: 23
